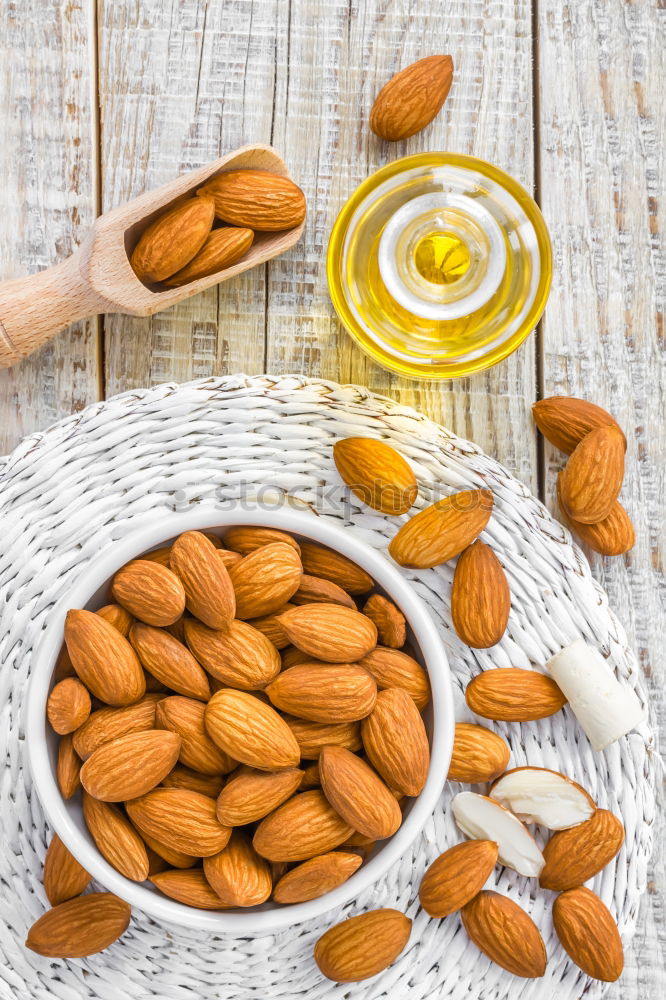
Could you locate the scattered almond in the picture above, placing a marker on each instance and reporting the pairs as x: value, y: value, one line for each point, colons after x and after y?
x: 376, y: 473
x: 79, y: 927
x: 480, y: 597
x: 611, y: 536
x: 63, y: 876
x: 506, y: 934
x: 511, y: 694
x: 592, y: 479
x: 573, y: 856
x: 479, y: 755
x: 362, y: 946
x: 589, y: 934
x: 443, y: 530
x: 457, y: 876
x: 565, y: 420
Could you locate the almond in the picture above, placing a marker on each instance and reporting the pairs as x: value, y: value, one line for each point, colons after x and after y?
x: 238, y: 875
x: 329, y: 565
x: 310, y: 777
x: 270, y: 627
x: 592, y: 479
x: 265, y: 579
x: 506, y: 934
x: 357, y: 794
x: 107, y: 724
x: 250, y: 731
x: 394, y: 668
x: 116, y: 838
x: 169, y: 661
x: 304, y: 826
x: 246, y: 538
x: 389, y: 619
x: 223, y: 247
x: 180, y: 819
x: 330, y: 632
x: 103, y: 659
x: 189, y: 887
x: 510, y: 694
x: 63, y: 876
x: 362, y: 946
x: 228, y: 558
x: 573, y: 856
x: 316, y: 877
x: 149, y: 591
x: 257, y: 199
x: 185, y: 777
x: 79, y: 927
x: 312, y: 737
x: 324, y: 692
x: 539, y: 795
x: 68, y: 768
x: 479, y: 755
x: 173, y: 239
x: 612, y: 536
x: 395, y: 740
x: 314, y: 590
x: 443, y: 530
x: 64, y: 666
x: 456, y: 876
x: 130, y: 766
x: 161, y: 556
x: 117, y: 616
x: 565, y: 420
x: 480, y: 597
x: 241, y: 657
x: 589, y: 934
x: 376, y: 473
x: 412, y: 98
x: 68, y: 706
x: 291, y: 657
x: 186, y: 718
x: 208, y: 587
x: 250, y: 795
x: 174, y: 858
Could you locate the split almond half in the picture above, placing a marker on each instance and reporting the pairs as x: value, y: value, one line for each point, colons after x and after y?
x: 481, y: 818
x: 537, y: 795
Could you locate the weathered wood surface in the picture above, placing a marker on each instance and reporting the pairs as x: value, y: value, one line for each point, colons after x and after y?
x: 602, y: 128
x: 48, y: 195
x: 182, y: 81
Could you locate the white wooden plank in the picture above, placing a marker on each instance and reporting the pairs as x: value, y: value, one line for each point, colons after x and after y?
x: 602, y: 66
x: 47, y: 165
x: 333, y: 58
x: 181, y: 83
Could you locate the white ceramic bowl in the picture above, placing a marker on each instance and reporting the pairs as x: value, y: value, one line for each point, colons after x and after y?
x: 90, y: 590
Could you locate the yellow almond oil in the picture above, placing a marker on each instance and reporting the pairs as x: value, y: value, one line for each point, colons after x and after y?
x: 439, y: 265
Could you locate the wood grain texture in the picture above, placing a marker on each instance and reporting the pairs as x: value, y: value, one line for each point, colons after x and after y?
x: 47, y: 165
x: 602, y: 66
x: 333, y: 58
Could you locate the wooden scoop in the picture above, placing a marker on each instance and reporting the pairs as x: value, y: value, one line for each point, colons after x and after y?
x: 98, y: 277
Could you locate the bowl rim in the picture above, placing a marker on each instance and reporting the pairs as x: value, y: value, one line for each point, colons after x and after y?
x: 156, y: 530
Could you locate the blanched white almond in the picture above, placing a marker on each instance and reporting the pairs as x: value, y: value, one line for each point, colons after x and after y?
x: 481, y: 818
x: 605, y: 708
x: 537, y: 795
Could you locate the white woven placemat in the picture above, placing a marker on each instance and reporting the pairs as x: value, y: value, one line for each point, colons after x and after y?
x: 67, y: 493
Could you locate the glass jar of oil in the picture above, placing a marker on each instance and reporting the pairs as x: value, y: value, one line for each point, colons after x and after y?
x: 439, y: 265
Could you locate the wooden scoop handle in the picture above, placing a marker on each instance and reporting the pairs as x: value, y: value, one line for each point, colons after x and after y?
x: 35, y: 308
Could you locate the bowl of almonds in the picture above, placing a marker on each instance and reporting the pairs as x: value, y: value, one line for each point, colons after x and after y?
x: 237, y: 722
